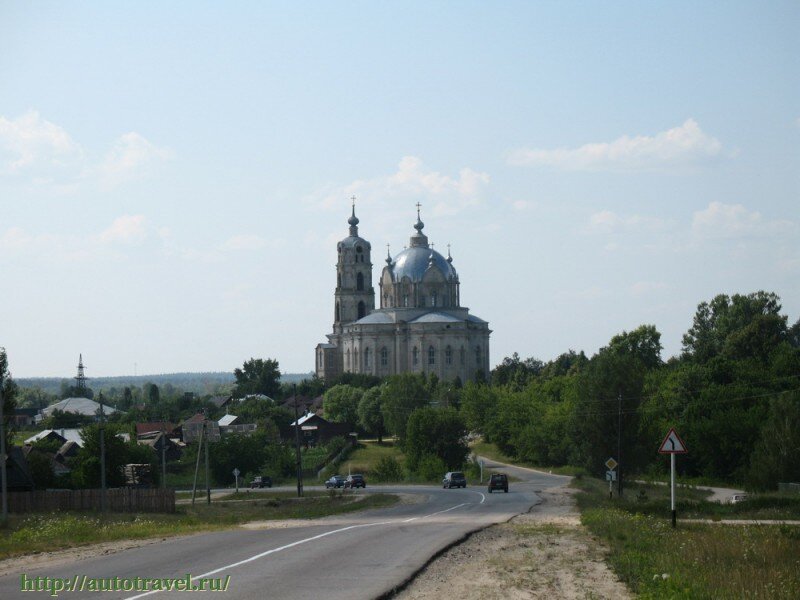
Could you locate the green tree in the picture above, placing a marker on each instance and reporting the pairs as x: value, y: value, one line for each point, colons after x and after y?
x: 716, y: 321
x: 438, y: 432
x: 370, y: 413
x: 400, y: 396
x: 516, y: 372
x: 151, y: 392
x: 258, y: 376
x: 777, y: 455
x: 341, y: 404
x: 86, y: 467
x: 478, y: 405
x: 642, y: 344
x: 41, y: 468
x: 10, y: 391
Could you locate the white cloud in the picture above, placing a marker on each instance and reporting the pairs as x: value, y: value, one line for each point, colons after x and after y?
x: 520, y: 204
x: 607, y: 221
x: 413, y: 180
x: 641, y: 288
x: 29, y: 141
x: 246, y: 241
x: 719, y: 221
x: 131, y: 155
x: 126, y: 229
x: 42, y: 153
x: 682, y: 146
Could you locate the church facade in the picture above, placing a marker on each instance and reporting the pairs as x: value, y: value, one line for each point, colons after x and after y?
x: 420, y: 325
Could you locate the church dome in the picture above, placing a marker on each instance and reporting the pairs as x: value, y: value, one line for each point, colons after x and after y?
x: 414, y: 262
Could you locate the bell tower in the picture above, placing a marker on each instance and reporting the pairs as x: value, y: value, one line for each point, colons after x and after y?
x: 354, y: 296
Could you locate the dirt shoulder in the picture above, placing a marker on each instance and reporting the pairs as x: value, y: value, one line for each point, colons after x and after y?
x: 545, y: 553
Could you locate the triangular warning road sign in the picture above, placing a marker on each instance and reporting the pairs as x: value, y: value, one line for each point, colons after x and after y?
x: 672, y: 444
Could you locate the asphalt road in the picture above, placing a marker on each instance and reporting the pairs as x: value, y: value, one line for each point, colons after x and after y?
x: 343, y: 557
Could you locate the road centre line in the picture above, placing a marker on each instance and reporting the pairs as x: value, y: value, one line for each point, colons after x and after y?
x: 297, y: 543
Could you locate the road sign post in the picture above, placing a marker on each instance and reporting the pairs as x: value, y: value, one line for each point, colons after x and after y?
x: 236, y: 475
x: 672, y: 445
x: 611, y: 476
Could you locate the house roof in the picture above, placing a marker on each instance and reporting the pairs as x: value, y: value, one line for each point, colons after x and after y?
x: 66, y: 435
x: 198, y: 418
x: 219, y: 401
x: 154, y: 426
x: 81, y: 406
x: 227, y: 420
x: 68, y: 448
x: 308, y: 417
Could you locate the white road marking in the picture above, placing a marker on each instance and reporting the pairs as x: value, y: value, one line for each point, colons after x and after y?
x: 299, y: 542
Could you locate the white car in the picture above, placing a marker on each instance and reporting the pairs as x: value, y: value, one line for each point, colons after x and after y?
x: 736, y: 498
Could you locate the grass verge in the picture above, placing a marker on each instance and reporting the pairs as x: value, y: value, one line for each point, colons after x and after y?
x: 491, y: 451
x: 32, y: 534
x: 694, y: 560
x: 366, y: 456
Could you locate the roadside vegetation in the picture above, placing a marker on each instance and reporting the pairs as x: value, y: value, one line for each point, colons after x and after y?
x: 695, y: 560
x: 48, y: 532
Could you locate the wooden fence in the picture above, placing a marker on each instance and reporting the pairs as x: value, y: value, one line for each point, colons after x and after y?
x: 117, y: 500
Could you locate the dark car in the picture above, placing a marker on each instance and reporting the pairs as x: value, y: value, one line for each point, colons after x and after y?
x: 261, y: 482
x: 336, y: 481
x: 355, y: 481
x: 498, y: 481
x: 454, y: 479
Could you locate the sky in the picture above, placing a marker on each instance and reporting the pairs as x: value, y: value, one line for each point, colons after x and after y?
x: 174, y: 176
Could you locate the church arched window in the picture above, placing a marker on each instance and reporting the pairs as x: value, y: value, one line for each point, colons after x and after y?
x: 405, y: 300
x: 415, y: 356
x: 356, y: 364
x: 347, y: 360
x: 477, y: 355
x: 448, y: 355
x: 367, y: 358
x: 384, y: 357
x: 431, y: 355
x: 360, y: 282
x: 339, y: 279
x: 463, y: 355
x: 337, y: 312
x: 434, y: 299
x: 362, y: 310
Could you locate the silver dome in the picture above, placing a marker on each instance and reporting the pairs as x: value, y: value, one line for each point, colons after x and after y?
x: 413, y: 262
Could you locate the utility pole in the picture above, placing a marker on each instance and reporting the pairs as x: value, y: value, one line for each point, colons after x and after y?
x: 102, y: 432
x: 297, y: 445
x: 164, y: 455
x: 3, y: 456
x: 619, y: 445
x: 208, y: 480
x: 197, y: 465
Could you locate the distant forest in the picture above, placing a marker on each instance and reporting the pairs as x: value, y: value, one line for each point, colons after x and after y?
x: 199, y: 383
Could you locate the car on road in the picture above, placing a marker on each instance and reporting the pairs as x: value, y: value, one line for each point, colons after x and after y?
x: 355, y: 481
x: 261, y: 482
x: 498, y: 481
x: 336, y: 481
x: 454, y: 479
x: 737, y: 498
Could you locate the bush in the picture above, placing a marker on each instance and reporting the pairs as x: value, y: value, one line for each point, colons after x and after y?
x: 388, y: 469
x: 431, y: 468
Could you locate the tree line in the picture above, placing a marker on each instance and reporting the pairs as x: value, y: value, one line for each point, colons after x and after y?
x: 733, y: 394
